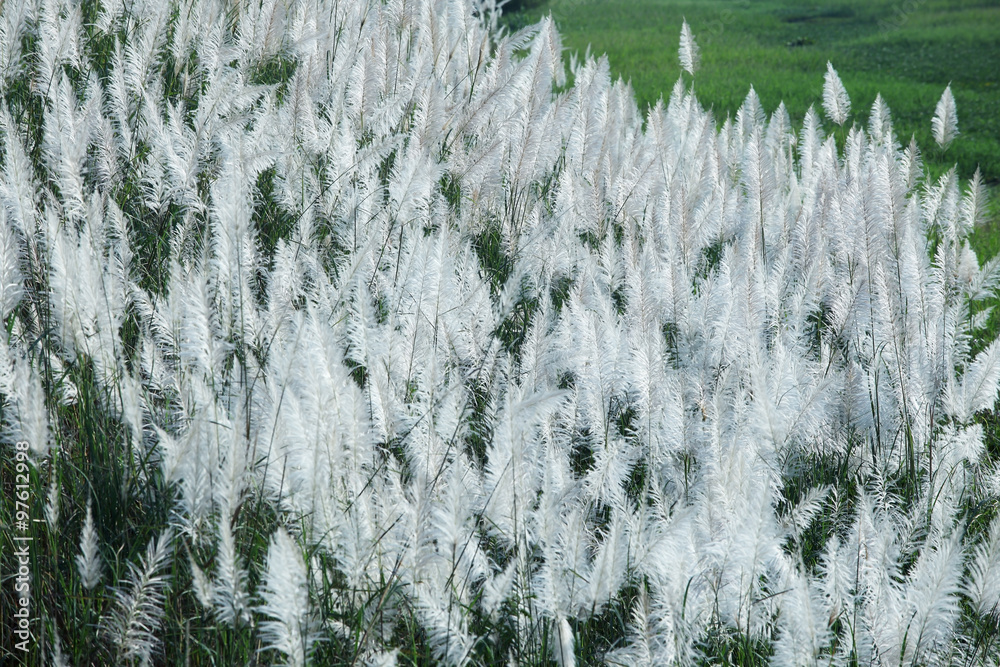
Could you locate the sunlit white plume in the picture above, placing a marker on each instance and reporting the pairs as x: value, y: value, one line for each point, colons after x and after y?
x: 836, y: 103
x: 688, y: 51
x: 944, y: 125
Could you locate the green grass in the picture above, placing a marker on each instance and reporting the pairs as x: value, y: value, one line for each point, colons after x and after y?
x: 781, y: 47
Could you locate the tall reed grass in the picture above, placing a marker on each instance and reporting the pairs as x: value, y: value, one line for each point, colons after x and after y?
x: 351, y: 333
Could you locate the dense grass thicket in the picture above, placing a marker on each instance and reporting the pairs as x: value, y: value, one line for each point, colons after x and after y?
x: 905, y: 50
x: 346, y: 333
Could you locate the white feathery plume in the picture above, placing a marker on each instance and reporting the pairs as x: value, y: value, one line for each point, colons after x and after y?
x: 11, y: 287
x: 385, y: 658
x: 58, y: 659
x: 688, y: 51
x: 65, y: 388
x: 563, y: 647
x: 944, y: 125
x: 446, y: 624
x: 66, y: 139
x: 57, y: 43
x: 14, y: 21
x: 230, y: 590
x: 880, y: 120
x: 932, y: 600
x: 132, y: 404
x: 653, y: 633
x: 119, y: 105
x: 109, y: 12
x: 88, y: 561
x: 973, y: 208
x: 751, y: 115
x: 838, y: 578
x: 88, y: 302
x: 811, y: 140
x: 145, y: 37
x: 52, y: 500
x: 798, y: 520
x: 836, y: 103
x: 7, y: 26
x: 203, y: 588
x: 32, y: 421
x: 803, y: 630
x: 983, y: 586
x: 138, y: 606
x: 106, y: 165
x: 18, y: 189
x: 198, y: 332
x: 912, y: 162
x: 977, y: 389
x: 608, y: 567
x: 286, y: 601
x: 185, y: 31
x: 257, y: 27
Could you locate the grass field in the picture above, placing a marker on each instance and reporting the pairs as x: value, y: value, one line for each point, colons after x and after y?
x: 296, y: 370
x: 908, y: 50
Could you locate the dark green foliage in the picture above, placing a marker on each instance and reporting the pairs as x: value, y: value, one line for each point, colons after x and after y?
x: 723, y: 647
x: 272, y: 221
x: 276, y: 71
x: 606, y: 630
x: 489, y: 247
x: 512, y: 6
x: 810, y: 472
x: 451, y: 189
x: 97, y: 461
x: 559, y: 291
